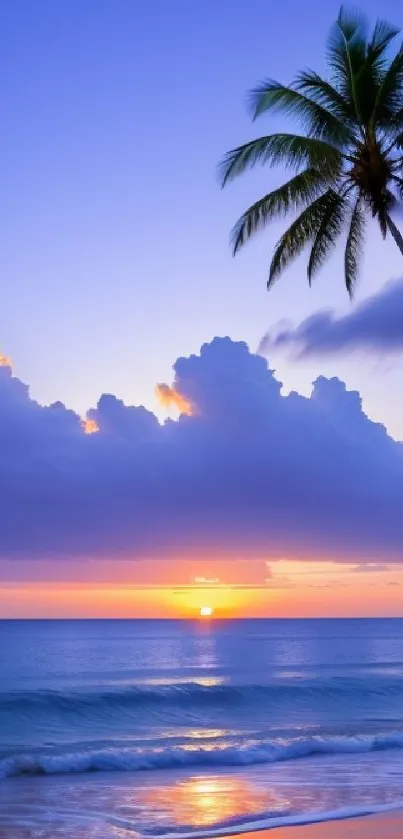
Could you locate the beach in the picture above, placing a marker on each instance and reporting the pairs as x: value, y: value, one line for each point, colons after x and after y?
x: 388, y: 826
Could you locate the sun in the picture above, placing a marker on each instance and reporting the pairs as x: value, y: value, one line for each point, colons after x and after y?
x: 206, y: 612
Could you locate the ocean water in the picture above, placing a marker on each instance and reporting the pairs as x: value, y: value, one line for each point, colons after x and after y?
x: 118, y: 729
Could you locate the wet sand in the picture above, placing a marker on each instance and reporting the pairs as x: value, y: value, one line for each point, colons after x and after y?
x: 386, y: 826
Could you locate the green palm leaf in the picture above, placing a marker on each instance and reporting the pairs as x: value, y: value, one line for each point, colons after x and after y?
x: 347, y: 48
x: 330, y: 228
x: 389, y: 96
x: 290, y: 149
x: 294, y: 194
x: 347, y: 53
x: 325, y: 94
x: 354, y: 245
x: 298, y: 235
x: 369, y: 76
x: 395, y: 232
x: 382, y: 35
x: 271, y: 96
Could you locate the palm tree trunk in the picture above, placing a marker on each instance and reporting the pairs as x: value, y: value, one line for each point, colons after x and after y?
x: 395, y: 233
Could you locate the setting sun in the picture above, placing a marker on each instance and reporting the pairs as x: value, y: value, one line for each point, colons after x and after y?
x: 206, y: 612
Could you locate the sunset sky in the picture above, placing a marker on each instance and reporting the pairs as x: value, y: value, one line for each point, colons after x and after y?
x: 294, y: 590
x: 258, y: 484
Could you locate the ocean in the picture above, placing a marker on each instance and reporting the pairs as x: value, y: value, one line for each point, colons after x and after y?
x: 123, y: 729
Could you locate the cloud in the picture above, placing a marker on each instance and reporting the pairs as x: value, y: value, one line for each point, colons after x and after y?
x: 89, y: 426
x: 169, y: 397
x: 5, y: 361
x: 250, y: 473
x: 207, y: 581
x: 375, y: 325
x: 371, y: 567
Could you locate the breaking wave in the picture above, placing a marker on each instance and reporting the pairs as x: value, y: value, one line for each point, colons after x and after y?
x: 133, y: 759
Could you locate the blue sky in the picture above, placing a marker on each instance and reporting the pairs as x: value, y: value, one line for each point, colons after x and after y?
x: 114, y: 233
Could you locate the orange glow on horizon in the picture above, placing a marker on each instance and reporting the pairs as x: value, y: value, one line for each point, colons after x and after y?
x: 168, y: 397
x: 167, y: 589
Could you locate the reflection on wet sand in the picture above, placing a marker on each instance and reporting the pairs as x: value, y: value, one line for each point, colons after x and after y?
x: 102, y: 808
x: 203, y: 801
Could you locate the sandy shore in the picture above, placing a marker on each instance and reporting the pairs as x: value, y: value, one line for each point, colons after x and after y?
x: 386, y: 826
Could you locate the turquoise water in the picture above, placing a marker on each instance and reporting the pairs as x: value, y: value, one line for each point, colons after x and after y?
x: 158, y: 728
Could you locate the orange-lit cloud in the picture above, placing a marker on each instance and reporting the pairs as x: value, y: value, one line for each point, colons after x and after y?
x: 170, y: 398
x: 207, y: 581
x: 90, y: 426
x: 5, y: 361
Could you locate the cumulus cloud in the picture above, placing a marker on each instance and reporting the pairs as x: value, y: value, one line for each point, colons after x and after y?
x: 375, y: 325
x: 249, y: 471
x: 169, y: 397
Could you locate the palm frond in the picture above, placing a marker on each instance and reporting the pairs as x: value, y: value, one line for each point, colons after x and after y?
x: 368, y: 78
x: 346, y: 53
x: 353, y: 24
x: 380, y: 205
x: 289, y: 149
x: 330, y: 228
x: 293, y: 195
x: 347, y: 47
x: 323, y: 92
x: 382, y: 35
x: 313, y: 117
x: 395, y: 131
x: 354, y: 245
x: 298, y: 235
x: 360, y: 62
x: 395, y: 232
x: 389, y: 97
x: 399, y: 185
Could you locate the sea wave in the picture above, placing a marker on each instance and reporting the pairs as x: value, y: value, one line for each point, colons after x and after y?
x: 185, y: 694
x: 113, y: 759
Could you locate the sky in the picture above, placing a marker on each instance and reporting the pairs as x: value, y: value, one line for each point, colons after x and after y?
x: 270, y: 495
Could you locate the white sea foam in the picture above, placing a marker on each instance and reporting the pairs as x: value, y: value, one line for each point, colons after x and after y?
x: 164, y: 757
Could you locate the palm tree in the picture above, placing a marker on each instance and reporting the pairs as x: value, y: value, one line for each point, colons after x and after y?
x: 348, y: 158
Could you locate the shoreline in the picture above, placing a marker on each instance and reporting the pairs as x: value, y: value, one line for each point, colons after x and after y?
x: 386, y: 825
x: 384, y: 821
x: 389, y: 825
